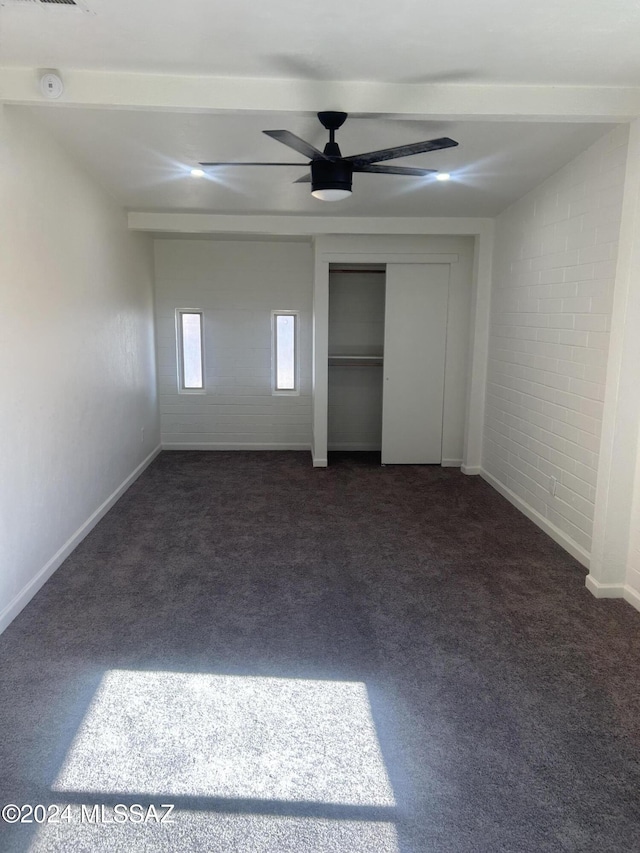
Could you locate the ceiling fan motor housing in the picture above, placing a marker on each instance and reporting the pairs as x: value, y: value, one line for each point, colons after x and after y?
x: 331, y: 175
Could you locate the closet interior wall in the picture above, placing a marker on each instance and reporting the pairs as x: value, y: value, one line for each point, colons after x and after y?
x: 356, y: 342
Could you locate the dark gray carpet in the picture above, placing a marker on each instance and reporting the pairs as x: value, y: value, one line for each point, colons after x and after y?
x: 352, y: 659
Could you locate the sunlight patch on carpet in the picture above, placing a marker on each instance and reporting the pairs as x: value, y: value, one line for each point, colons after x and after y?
x: 237, y: 737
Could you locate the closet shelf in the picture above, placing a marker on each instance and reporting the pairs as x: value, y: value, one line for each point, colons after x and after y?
x: 355, y: 360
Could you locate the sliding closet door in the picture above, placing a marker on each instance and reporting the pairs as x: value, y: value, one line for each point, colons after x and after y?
x: 414, y: 351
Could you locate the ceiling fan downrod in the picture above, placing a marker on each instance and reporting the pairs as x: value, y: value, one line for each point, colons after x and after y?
x: 332, y: 121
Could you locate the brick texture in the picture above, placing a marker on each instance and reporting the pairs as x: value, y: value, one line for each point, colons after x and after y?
x: 554, y: 268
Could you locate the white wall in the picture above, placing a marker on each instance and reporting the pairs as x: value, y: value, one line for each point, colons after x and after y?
x: 77, y: 370
x: 614, y: 567
x: 554, y: 268
x: 633, y: 566
x: 458, y: 355
x: 237, y: 284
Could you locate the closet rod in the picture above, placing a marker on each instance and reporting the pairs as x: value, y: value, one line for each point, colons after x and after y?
x: 379, y: 272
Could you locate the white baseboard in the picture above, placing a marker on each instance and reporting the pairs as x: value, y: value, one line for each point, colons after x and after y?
x: 550, y: 529
x: 319, y: 462
x: 471, y: 469
x: 613, y: 590
x: 632, y: 597
x: 27, y: 592
x: 215, y: 445
x: 604, y: 590
x: 451, y: 463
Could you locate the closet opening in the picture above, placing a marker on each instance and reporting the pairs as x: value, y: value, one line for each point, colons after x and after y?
x: 356, y: 359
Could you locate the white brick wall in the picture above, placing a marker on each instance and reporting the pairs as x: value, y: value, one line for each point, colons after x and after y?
x: 554, y: 267
x: 237, y: 285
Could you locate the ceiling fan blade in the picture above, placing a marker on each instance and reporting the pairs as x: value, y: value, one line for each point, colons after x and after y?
x: 394, y: 170
x: 401, y: 151
x: 305, y: 179
x: 299, y: 145
x: 239, y: 163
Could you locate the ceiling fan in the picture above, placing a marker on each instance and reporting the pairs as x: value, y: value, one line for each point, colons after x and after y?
x: 332, y: 174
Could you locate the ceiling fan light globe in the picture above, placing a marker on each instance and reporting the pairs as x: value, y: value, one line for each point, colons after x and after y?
x: 331, y: 194
x: 331, y: 179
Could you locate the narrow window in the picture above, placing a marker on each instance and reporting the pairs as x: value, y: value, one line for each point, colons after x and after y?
x: 190, y: 350
x: 285, y: 351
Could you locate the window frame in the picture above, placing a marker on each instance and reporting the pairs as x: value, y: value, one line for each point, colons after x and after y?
x: 180, y: 351
x: 285, y: 392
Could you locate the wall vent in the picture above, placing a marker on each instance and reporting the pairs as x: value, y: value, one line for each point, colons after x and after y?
x: 79, y: 5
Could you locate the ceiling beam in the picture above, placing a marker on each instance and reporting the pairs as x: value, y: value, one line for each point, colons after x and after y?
x: 449, y: 102
x: 281, y: 225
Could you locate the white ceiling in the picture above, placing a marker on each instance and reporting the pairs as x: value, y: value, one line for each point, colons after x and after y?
x: 570, y: 42
x: 143, y: 156
x: 144, y: 160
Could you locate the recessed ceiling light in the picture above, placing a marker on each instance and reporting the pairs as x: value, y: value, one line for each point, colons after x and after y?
x: 197, y: 173
x: 443, y: 176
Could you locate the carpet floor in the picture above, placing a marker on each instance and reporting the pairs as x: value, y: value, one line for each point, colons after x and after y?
x: 355, y: 659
